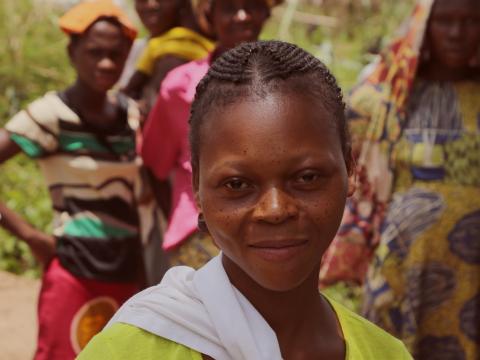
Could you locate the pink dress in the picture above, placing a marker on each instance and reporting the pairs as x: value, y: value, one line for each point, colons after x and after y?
x: 165, y: 149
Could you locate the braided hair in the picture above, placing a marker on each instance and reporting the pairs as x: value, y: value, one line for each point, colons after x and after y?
x: 258, y: 69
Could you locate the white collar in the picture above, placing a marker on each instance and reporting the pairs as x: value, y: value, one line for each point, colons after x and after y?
x: 203, y: 311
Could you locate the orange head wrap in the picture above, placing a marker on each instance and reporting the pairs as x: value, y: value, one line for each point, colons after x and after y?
x: 79, y: 18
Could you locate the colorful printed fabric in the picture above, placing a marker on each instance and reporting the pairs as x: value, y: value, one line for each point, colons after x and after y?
x: 180, y: 42
x: 92, y: 179
x: 423, y: 285
x: 195, y: 251
x: 376, y: 114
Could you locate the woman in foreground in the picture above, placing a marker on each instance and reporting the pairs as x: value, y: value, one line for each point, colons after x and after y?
x: 271, y: 163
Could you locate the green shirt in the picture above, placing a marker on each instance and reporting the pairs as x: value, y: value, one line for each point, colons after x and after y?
x: 124, y: 342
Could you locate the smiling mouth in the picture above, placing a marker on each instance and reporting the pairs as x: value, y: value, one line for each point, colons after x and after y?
x: 278, y: 251
x: 106, y: 78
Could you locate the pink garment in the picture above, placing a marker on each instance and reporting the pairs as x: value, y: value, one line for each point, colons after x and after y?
x: 165, y: 147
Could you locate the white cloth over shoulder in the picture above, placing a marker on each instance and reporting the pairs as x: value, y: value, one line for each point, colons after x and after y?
x: 203, y: 311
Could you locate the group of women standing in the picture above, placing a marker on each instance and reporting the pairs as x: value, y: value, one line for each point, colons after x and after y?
x: 410, y: 233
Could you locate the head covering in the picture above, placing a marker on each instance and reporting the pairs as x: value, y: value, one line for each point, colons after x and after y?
x: 202, y: 7
x: 79, y: 18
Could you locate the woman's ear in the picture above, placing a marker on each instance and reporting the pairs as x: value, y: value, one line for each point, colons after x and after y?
x: 195, y: 185
x: 209, y: 18
x: 352, y: 173
x: 268, y: 13
x: 352, y: 184
x: 72, y: 44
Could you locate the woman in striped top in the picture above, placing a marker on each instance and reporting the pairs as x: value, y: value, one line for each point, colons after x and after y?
x: 84, y: 141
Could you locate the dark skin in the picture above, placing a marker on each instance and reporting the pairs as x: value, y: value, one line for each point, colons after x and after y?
x: 453, y: 40
x: 98, y: 57
x: 159, y: 16
x: 237, y: 21
x: 273, y: 211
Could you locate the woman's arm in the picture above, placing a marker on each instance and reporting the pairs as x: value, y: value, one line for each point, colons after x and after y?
x: 162, y: 68
x: 41, y: 244
x: 136, y: 84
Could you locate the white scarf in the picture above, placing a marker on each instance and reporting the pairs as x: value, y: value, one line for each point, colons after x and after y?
x: 203, y: 311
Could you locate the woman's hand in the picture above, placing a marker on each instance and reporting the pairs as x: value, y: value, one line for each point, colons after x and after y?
x: 42, y: 245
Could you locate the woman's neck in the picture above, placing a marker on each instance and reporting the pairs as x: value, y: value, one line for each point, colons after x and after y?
x: 435, y: 71
x: 92, y: 107
x: 298, y: 317
x: 80, y: 96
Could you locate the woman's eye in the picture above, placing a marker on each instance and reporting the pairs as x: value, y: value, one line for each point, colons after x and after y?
x: 308, y: 178
x: 95, y: 53
x: 471, y: 21
x: 236, y: 184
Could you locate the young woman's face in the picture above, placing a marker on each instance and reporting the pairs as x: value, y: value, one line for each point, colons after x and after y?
x: 99, y: 55
x: 454, y: 32
x: 238, y: 21
x: 272, y: 185
x: 158, y: 16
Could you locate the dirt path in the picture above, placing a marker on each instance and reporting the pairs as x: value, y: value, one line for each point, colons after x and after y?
x: 18, y: 323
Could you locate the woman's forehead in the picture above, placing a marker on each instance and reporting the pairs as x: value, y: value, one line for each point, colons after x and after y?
x: 106, y: 30
x: 449, y: 6
x: 277, y: 116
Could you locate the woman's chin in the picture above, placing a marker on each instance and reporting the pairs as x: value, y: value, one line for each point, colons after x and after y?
x: 280, y: 281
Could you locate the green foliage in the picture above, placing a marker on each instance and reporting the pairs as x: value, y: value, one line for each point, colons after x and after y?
x: 32, y: 61
x: 362, y: 28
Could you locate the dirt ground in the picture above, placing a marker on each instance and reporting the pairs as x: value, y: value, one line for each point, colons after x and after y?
x: 18, y: 323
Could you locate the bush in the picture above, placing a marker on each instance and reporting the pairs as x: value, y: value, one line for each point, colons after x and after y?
x: 32, y: 61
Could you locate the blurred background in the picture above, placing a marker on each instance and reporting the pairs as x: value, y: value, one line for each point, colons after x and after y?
x: 345, y: 34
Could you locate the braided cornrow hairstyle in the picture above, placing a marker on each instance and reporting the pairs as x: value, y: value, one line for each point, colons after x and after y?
x: 258, y: 69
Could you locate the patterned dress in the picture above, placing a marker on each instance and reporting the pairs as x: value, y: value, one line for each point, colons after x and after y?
x: 424, y: 283
x: 417, y: 206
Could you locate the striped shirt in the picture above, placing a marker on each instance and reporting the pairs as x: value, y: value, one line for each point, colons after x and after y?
x: 91, y: 178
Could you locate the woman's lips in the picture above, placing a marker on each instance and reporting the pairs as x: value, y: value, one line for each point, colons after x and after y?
x: 279, y: 250
x: 106, y: 79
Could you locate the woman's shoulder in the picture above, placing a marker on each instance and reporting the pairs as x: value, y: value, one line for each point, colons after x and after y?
x: 183, y: 79
x: 48, y: 109
x: 123, y: 341
x: 366, y: 340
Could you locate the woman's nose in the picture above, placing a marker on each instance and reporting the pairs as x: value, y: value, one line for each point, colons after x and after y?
x: 153, y: 3
x: 106, y: 64
x: 275, y: 206
x: 455, y: 29
x: 242, y: 15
